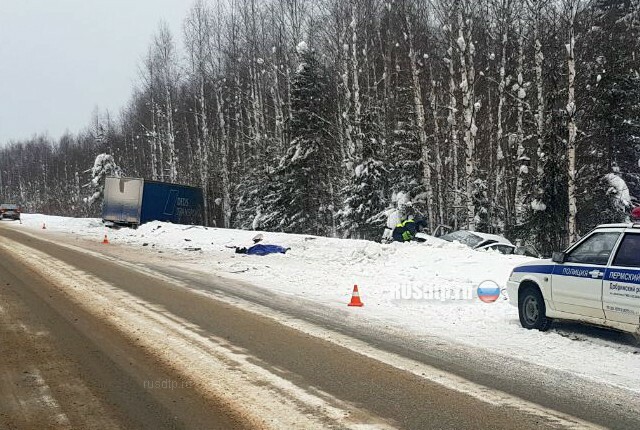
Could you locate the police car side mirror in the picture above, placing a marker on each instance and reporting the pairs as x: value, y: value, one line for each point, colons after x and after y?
x: 558, y: 257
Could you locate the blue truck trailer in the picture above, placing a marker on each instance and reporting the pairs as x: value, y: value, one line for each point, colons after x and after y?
x: 135, y: 201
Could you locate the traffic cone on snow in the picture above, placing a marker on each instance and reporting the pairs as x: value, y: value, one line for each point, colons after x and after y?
x: 105, y: 240
x: 355, y: 298
x: 44, y: 226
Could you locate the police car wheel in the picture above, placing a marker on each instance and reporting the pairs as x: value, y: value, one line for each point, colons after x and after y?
x: 532, y: 310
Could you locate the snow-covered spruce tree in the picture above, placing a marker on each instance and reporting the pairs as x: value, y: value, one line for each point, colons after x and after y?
x: 405, y: 154
x: 364, y: 214
x: 609, y: 171
x: 545, y: 218
x: 255, y: 196
x: 481, y: 203
x: 304, y: 194
x: 608, y: 200
x: 103, y: 166
x: 545, y: 223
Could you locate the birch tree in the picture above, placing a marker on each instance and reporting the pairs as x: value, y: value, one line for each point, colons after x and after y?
x: 536, y: 8
x: 224, y: 142
x: 168, y: 77
x: 449, y: 18
x: 355, y: 76
x: 345, y: 87
x: 198, y: 40
x: 571, y: 11
x: 503, y: 12
x: 466, y: 50
x: 149, y: 77
x: 420, y: 121
x: 522, y: 160
x: 438, y: 165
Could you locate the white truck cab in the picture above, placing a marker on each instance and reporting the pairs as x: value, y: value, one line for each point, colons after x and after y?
x: 596, y: 280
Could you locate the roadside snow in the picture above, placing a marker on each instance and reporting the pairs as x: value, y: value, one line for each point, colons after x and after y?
x: 325, y: 270
x: 222, y: 373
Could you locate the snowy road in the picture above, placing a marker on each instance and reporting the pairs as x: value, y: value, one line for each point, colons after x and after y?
x: 324, y: 270
x: 297, y: 364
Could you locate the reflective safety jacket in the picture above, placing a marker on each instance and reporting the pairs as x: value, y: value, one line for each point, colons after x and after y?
x: 406, y: 230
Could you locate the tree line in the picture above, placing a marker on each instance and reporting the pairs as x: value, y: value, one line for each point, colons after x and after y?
x: 518, y: 117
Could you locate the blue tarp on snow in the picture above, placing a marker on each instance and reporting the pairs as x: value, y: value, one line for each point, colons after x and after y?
x: 266, y: 249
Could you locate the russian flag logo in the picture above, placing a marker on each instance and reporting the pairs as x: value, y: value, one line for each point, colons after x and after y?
x: 488, y: 291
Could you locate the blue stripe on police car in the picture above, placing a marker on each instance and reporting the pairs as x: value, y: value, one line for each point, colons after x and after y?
x: 534, y: 269
x: 623, y: 275
x: 616, y: 275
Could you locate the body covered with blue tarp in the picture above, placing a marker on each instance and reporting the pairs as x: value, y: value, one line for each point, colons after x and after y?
x: 261, y: 249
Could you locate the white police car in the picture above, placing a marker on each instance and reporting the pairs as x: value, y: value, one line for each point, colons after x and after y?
x: 596, y: 280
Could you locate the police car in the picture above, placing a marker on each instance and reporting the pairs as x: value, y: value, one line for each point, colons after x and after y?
x: 596, y: 280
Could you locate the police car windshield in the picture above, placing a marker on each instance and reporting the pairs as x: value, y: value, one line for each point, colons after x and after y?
x: 464, y: 237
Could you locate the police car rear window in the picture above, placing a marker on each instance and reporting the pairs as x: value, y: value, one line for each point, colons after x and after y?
x: 629, y: 251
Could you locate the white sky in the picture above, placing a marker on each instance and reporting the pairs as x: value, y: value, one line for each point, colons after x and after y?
x: 60, y: 59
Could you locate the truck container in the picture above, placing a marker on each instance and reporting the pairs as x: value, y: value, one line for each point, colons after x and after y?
x: 135, y: 201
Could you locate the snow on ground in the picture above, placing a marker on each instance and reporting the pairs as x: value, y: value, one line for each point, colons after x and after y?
x: 325, y: 270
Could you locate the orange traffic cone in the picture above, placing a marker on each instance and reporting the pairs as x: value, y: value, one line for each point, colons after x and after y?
x: 355, y: 298
x: 105, y: 240
x: 44, y: 226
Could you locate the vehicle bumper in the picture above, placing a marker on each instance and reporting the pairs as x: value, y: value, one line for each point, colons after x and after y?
x: 512, y: 291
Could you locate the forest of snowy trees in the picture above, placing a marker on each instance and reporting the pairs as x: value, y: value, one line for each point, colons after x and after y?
x: 520, y: 117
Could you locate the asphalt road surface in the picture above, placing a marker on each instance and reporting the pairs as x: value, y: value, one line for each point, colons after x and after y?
x: 91, y: 341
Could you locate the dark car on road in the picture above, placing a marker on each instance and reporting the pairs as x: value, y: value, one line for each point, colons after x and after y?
x: 9, y: 211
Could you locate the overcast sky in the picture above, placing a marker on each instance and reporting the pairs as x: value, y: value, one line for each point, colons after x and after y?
x: 59, y: 59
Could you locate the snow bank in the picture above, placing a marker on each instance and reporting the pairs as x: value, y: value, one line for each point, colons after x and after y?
x: 389, y: 278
